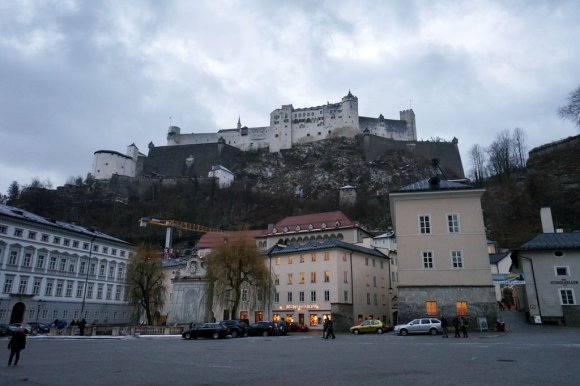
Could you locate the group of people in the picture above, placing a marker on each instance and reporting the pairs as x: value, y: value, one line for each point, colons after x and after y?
x: 328, y: 329
x: 460, y: 324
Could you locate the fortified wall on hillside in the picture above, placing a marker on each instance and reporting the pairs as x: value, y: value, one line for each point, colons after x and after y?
x: 290, y: 126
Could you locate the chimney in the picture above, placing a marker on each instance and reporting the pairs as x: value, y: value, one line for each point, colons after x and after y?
x: 546, y: 218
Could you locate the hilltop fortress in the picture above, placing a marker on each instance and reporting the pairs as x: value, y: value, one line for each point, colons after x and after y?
x: 290, y: 126
x: 198, y: 154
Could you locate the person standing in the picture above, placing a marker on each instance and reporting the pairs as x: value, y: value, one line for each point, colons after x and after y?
x: 464, y: 324
x: 325, y: 329
x: 82, y: 325
x: 456, y: 325
x: 17, y: 343
x: 282, y: 326
x: 329, y: 329
x: 444, y: 324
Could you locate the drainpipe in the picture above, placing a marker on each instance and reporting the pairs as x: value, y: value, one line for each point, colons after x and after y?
x: 535, y: 285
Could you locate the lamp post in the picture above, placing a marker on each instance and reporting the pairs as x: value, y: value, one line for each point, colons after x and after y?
x: 87, y: 277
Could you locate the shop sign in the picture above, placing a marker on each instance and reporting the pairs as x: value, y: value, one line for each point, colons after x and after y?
x: 508, y: 278
x: 564, y: 282
x: 299, y: 307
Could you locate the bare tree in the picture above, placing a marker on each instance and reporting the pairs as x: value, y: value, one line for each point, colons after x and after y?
x: 478, y: 160
x: 572, y: 110
x: 500, y: 154
x: 520, y: 149
x: 235, y: 264
x: 145, y: 280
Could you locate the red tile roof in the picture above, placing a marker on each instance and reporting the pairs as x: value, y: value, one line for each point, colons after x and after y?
x: 331, y: 220
x: 210, y: 239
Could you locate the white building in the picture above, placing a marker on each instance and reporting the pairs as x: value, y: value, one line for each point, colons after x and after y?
x: 289, y: 126
x: 106, y: 163
x: 54, y: 270
x: 223, y: 175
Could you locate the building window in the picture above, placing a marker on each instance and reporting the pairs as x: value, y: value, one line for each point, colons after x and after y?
x: 376, y: 299
x: 290, y: 260
x: 277, y: 297
x: 120, y: 272
x: 27, y: 260
x: 13, y: 259
x: 561, y: 271
x: 109, y: 295
x: 118, y: 292
x: 366, y: 261
x: 82, y: 267
x: 55, y: 240
x: 302, y: 258
x: 368, y: 298
x: 374, y: 262
x: 59, y: 287
x: 52, y: 264
x: 327, y: 276
x: 277, y: 261
x: 69, y: 289
x: 326, y: 295
x: 23, y: 285
x: 31, y: 235
x: 80, y: 287
x: 66, y: 242
x: 313, y: 256
x: 567, y: 296
x: 374, y: 281
x: 40, y: 262
x: 277, y: 279
x: 44, y: 238
x: 344, y: 256
x: 431, y: 308
x: 428, y: 260
x: 62, y: 266
x: 102, y: 270
x: 301, y: 296
x: 75, y: 244
x: 111, y: 272
x: 313, y: 277
x: 345, y: 296
x: 457, y: 259
x: 18, y: 232
x: 301, y: 278
x: 453, y: 223
x: 86, y: 246
x: 345, y: 276
x: 105, y: 250
x: 100, y: 287
x: 461, y: 308
x: 48, y: 288
x: 3, y: 229
x: 244, y: 295
x: 289, y: 296
x: 122, y: 253
x: 326, y: 256
x: 95, y: 248
x: 312, y: 296
x: 289, y: 278
x: 424, y: 224
x: 36, y: 286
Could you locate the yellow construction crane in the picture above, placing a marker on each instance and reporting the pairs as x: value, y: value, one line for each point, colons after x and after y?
x: 174, y: 224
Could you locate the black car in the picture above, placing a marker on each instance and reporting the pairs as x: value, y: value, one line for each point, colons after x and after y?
x: 238, y: 327
x: 4, y: 330
x: 207, y: 330
x: 263, y: 329
x: 40, y: 328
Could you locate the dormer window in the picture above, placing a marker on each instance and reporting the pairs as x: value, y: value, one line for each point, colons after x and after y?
x: 310, y: 226
x: 274, y: 230
x: 285, y: 229
x: 337, y: 223
x: 323, y: 225
x: 297, y: 228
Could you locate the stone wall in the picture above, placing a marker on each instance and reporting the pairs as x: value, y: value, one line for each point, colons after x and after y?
x: 480, y: 302
x: 342, y: 316
x: 571, y: 315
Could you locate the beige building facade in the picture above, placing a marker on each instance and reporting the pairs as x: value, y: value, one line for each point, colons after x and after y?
x: 443, y: 264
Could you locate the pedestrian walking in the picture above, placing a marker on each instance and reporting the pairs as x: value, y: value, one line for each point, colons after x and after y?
x: 325, y: 329
x: 456, y: 325
x: 464, y: 324
x: 444, y: 324
x: 329, y: 329
x: 17, y: 343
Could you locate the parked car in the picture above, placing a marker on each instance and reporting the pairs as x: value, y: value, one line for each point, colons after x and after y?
x: 207, y: 330
x: 420, y: 326
x: 14, y: 326
x: 237, y: 327
x: 4, y: 330
x: 40, y: 328
x: 295, y: 327
x: 263, y: 328
x: 370, y: 326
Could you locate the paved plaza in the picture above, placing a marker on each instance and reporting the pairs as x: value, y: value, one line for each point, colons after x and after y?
x: 538, y: 355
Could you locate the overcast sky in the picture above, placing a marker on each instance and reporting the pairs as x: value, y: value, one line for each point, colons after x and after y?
x: 82, y: 76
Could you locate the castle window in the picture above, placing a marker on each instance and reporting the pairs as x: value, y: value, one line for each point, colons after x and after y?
x: 319, y: 133
x: 308, y: 135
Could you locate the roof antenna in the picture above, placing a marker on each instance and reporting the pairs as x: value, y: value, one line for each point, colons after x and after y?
x: 170, y: 120
x: 411, y: 104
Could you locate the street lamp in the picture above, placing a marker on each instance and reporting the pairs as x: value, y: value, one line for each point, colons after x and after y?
x: 88, y: 270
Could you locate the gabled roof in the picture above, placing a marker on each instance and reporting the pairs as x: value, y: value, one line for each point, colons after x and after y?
x: 20, y: 214
x: 545, y: 241
x: 330, y: 220
x: 326, y: 244
x: 495, y: 258
x: 210, y: 239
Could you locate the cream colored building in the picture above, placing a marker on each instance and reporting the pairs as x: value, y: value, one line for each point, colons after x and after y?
x: 329, y: 279
x: 443, y: 264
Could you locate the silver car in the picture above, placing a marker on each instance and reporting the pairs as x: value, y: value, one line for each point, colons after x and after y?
x: 419, y: 326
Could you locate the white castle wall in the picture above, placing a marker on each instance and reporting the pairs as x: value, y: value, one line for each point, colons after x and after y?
x: 106, y: 163
x: 289, y: 126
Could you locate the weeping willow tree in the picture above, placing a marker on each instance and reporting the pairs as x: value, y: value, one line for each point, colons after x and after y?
x: 145, y: 280
x: 233, y: 265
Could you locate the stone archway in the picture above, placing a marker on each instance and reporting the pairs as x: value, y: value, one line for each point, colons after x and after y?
x: 17, y: 315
